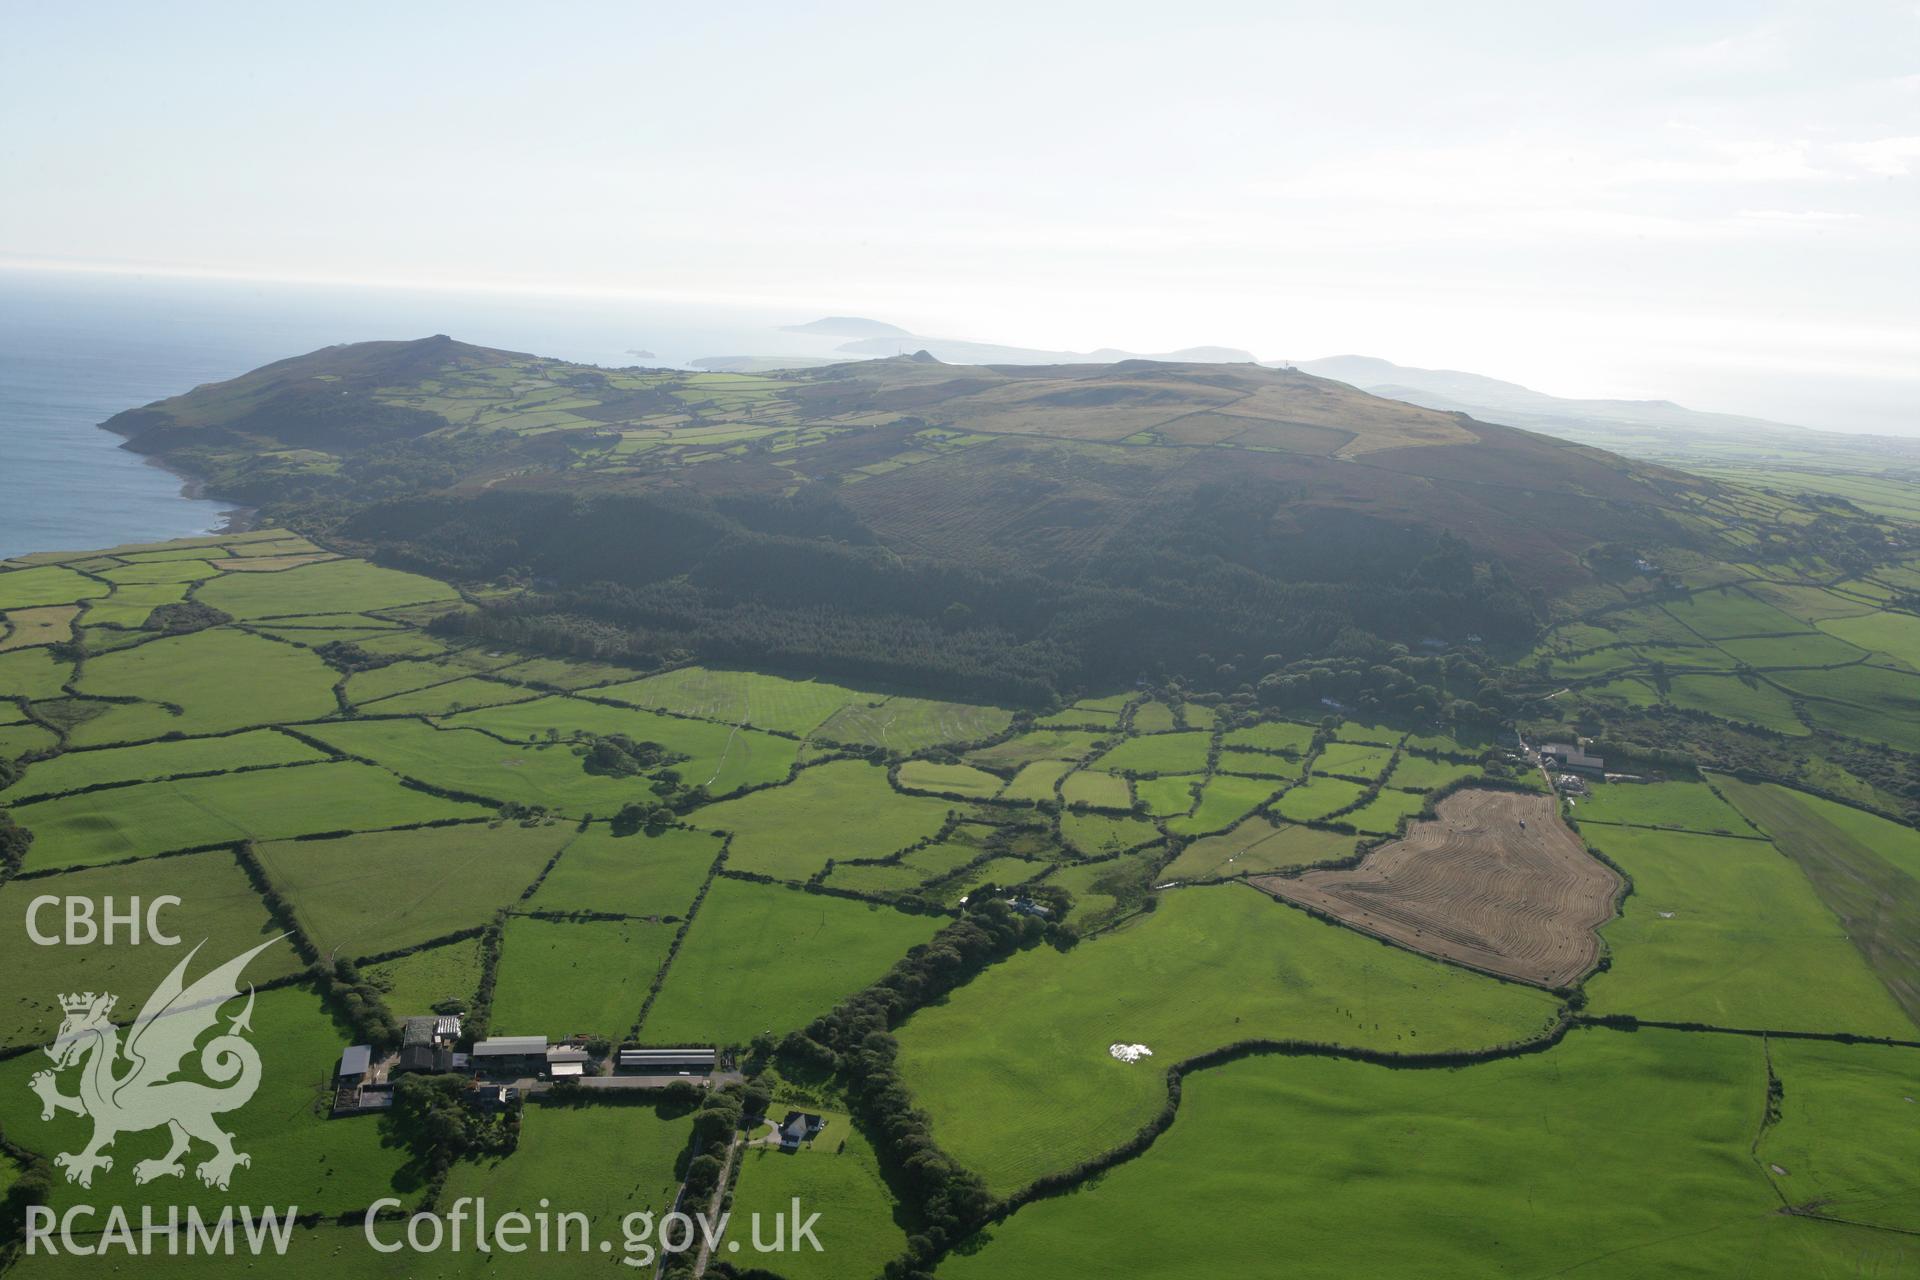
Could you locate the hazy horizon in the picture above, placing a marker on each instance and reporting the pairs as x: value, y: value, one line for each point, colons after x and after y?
x: 1715, y: 209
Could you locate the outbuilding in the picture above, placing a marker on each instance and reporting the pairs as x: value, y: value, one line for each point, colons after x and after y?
x: 354, y: 1064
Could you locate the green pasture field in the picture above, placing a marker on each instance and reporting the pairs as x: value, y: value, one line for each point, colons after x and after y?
x: 1810, y: 604
x: 160, y: 571
x: 364, y: 895
x: 1113, y: 702
x: 959, y: 779
x: 72, y: 770
x: 476, y: 763
x: 130, y: 606
x: 1631, y: 692
x: 1464, y: 740
x: 1168, y: 794
x: 1194, y: 715
x: 267, y: 804
x: 1652, y: 624
x: 416, y: 982
x: 1037, y: 745
x: 1729, y: 933
x: 1003, y: 871
x: 1260, y: 764
x: 399, y: 677
x: 453, y: 696
x: 1419, y: 773
x: 915, y: 869
x: 1882, y: 705
x: 1153, y: 717
x: 564, y: 978
x: 1732, y: 698
x: 33, y: 674
x: 843, y: 809
x: 605, y: 1161
x: 300, y: 1158
x: 1223, y: 800
x: 1099, y: 790
x: 1036, y: 781
x: 720, y: 757
x: 1611, y: 1154
x: 1097, y: 833
x: 1814, y: 649
x: 559, y: 673
x: 218, y: 906
x: 1101, y: 890
x: 1381, y: 815
x: 1014, y: 1067
x: 861, y: 1229
x: 906, y: 725
x: 18, y: 737
x: 1895, y: 634
x: 49, y: 624
x: 1847, y: 1137
x: 1254, y: 846
x: 1352, y: 760
x: 1377, y: 734
x: 1678, y: 657
x: 1317, y: 799
x: 1184, y: 752
x: 1865, y: 868
x: 767, y: 958
x: 1598, y: 663
x: 1079, y: 718
x: 404, y: 644
x: 1687, y: 806
x: 736, y: 697
x: 636, y: 875
x: 335, y: 586
x: 1798, y: 818
x: 1728, y: 611
x: 48, y: 584
x: 221, y: 679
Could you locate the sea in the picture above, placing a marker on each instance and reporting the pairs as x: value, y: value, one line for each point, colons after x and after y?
x: 78, y: 347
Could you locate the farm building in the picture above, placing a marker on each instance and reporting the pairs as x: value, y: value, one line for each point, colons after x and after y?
x: 1573, y: 758
x: 500, y: 1055
x: 354, y: 1064
x: 682, y: 1061
x: 565, y: 1063
x: 427, y: 1058
x: 432, y: 1029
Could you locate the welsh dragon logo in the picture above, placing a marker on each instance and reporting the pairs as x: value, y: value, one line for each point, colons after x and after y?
x: 131, y: 1087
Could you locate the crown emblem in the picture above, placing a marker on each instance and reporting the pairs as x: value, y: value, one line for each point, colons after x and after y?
x: 82, y: 1003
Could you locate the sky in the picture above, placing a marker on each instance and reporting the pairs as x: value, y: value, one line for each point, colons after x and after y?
x: 1712, y: 203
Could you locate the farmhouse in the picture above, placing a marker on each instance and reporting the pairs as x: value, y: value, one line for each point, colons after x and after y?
x: 798, y: 1127
x: 684, y: 1061
x: 502, y: 1055
x: 1573, y: 758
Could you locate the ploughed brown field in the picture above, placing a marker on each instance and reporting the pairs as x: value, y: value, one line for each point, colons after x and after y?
x: 1476, y: 887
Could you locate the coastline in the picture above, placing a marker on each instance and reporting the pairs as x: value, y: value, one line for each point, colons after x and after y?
x: 234, y: 519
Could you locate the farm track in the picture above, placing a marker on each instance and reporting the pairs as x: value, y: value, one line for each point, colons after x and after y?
x: 1496, y: 882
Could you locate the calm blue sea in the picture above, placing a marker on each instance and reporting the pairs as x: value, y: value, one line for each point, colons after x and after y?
x: 75, y: 349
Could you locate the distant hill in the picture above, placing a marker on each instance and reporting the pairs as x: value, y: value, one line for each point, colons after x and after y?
x: 957, y: 351
x: 1010, y: 531
x: 848, y: 327
x: 1453, y: 390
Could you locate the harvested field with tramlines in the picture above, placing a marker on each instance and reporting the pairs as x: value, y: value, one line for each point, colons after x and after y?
x: 1495, y: 881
